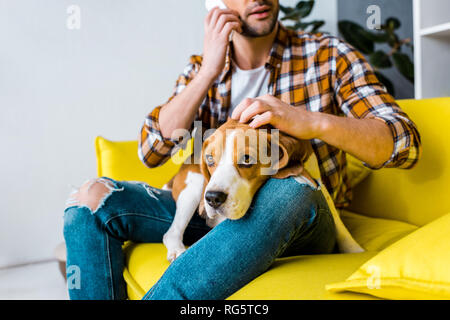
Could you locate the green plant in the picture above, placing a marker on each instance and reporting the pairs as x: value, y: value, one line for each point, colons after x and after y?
x: 362, y: 39
x: 366, y: 40
x: 298, y: 13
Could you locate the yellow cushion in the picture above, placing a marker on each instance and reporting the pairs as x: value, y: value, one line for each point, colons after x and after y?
x: 356, y: 171
x: 145, y: 264
x: 302, y: 277
x: 413, y: 196
x: 120, y: 161
x: 309, y: 274
x: 375, y: 234
x: 416, y: 267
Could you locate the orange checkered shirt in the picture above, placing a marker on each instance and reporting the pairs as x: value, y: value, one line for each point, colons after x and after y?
x: 317, y: 71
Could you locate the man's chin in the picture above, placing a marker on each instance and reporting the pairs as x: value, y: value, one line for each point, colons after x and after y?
x: 259, y: 29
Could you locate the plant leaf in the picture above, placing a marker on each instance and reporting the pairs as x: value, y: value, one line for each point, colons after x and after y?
x: 293, y: 15
x: 380, y: 60
x: 286, y: 10
x: 393, y: 23
x: 301, y: 26
x: 356, y: 36
x: 404, y: 65
x: 302, y: 10
x: 386, y: 82
x: 292, y: 28
x: 315, y: 25
x: 305, y: 7
x: 378, y: 37
x: 393, y: 39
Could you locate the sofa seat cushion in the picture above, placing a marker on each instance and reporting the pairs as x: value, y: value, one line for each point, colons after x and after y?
x: 304, y: 278
x: 145, y: 263
x: 301, y: 277
x: 375, y: 234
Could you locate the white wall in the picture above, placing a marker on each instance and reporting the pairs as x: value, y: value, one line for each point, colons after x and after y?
x: 60, y: 88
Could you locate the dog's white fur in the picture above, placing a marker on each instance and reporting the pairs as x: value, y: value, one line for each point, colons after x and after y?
x: 226, y: 178
x: 187, y: 204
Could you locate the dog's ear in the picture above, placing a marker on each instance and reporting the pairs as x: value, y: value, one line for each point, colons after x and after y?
x: 205, y: 172
x: 293, y: 154
x: 203, y: 165
x: 201, y: 207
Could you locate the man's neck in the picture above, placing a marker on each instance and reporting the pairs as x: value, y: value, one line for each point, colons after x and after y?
x: 251, y: 53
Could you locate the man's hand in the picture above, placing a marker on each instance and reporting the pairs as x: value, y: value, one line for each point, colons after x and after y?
x: 267, y: 109
x: 370, y: 140
x: 180, y: 112
x: 218, y: 26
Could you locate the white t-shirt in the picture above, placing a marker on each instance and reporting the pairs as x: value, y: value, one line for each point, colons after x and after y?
x: 248, y: 84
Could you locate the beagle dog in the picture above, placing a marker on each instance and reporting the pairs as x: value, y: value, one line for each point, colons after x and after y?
x: 235, y: 162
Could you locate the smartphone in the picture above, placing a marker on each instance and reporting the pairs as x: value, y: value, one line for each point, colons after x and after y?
x: 210, y: 4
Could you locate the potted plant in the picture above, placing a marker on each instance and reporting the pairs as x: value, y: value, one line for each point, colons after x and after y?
x: 362, y: 39
x: 366, y: 40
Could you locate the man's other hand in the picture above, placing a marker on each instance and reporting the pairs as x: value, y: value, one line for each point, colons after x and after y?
x: 219, y: 24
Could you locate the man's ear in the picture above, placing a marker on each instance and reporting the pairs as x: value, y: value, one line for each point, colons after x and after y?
x: 293, y: 154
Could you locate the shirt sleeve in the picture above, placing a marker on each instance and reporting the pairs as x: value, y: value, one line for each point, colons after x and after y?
x: 359, y: 94
x: 153, y: 148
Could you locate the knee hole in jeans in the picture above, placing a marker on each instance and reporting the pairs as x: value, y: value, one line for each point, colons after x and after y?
x: 92, y: 194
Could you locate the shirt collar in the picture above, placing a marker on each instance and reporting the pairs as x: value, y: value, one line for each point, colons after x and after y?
x: 276, y: 53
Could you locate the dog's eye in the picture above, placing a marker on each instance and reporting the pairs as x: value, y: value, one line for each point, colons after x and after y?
x: 209, y: 160
x: 246, y: 161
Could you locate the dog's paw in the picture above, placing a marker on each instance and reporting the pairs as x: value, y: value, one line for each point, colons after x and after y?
x: 172, y: 254
x: 174, y: 245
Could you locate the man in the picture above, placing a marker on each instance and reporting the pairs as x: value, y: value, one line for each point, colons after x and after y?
x: 312, y: 87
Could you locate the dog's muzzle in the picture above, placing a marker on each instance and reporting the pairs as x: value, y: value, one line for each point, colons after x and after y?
x: 215, y: 198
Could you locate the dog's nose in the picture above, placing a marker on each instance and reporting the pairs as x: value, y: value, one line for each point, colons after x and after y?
x: 215, y: 198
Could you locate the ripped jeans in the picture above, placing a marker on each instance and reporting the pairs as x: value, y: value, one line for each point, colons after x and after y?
x: 286, y: 218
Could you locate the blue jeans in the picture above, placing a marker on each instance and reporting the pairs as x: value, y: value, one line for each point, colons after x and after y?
x: 286, y: 218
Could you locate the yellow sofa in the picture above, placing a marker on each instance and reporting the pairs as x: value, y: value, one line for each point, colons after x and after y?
x: 388, y: 205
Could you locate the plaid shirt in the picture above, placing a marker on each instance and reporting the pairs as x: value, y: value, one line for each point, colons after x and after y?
x: 319, y: 72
